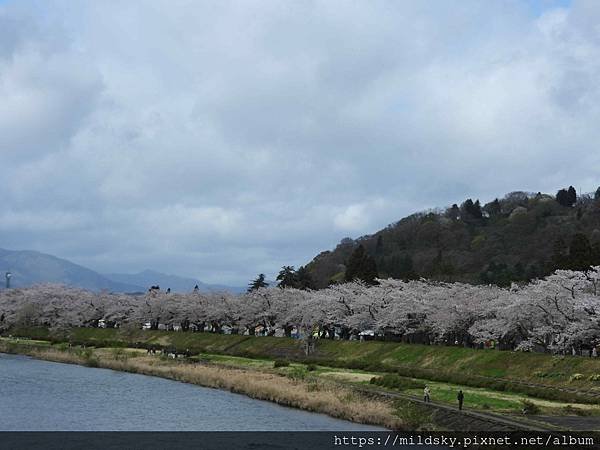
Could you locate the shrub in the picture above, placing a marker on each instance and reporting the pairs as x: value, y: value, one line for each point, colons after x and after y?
x: 393, y: 381
x: 119, y: 354
x: 311, y: 367
x: 63, y: 346
x: 297, y: 373
x: 576, y: 376
x: 594, y: 377
x: 91, y: 362
x: 281, y: 363
x: 414, y: 416
x: 529, y: 407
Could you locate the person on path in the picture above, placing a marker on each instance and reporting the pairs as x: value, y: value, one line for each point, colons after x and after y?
x: 426, y: 394
x: 460, y: 397
x: 594, y: 353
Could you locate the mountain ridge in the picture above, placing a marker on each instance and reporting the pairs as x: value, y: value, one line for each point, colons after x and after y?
x: 29, y: 267
x: 176, y: 283
x: 518, y: 237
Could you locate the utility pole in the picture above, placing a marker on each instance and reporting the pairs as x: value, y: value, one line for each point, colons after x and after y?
x: 8, y: 275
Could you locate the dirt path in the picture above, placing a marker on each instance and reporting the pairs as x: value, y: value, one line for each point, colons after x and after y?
x: 468, y: 420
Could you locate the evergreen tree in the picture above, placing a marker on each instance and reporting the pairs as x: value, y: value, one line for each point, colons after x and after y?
x: 287, y: 277
x: 597, y: 194
x: 471, y: 210
x: 559, y: 254
x: 453, y: 213
x: 466, y: 208
x: 498, y: 274
x: 379, y: 246
x: 258, y: 283
x: 493, y: 208
x: 407, y: 269
x: 580, y: 252
x: 596, y: 254
x: 519, y: 272
x: 572, y: 195
x: 567, y: 197
x: 361, y: 266
x: 477, y: 210
x: 562, y: 197
x: 533, y: 272
x: 304, y: 279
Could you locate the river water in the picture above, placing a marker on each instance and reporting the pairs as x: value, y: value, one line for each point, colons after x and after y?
x: 40, y: 395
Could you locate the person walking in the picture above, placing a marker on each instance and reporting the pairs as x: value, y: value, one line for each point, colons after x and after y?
x: 426, y: 394
x: 460, y: 397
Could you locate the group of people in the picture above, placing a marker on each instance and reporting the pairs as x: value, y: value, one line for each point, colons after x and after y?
x: 427, y: 397
x: 592, y: 354
x: 169, y: 353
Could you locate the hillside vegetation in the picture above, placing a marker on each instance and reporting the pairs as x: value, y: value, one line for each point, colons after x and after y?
x: 517, y: 238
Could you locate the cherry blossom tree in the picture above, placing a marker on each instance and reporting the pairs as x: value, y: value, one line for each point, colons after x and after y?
x: 558, y: 313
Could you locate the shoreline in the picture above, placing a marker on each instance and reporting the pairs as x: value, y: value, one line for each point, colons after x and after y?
x: 305, y: 394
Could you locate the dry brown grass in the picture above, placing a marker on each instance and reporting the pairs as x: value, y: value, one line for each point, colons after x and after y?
x: 348, y: 376
x: 309, y: 395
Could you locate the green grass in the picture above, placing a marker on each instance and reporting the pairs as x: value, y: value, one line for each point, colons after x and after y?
x: 234, y: 361
x: 478, y: 399
x: 393, y: 381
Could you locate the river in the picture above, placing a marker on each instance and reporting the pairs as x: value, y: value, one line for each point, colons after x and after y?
x: 40, y: 395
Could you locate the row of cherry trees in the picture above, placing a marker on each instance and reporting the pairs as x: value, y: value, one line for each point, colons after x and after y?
x: 557, y: 313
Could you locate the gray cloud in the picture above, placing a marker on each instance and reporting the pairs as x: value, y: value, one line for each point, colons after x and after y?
x: 220, y: 140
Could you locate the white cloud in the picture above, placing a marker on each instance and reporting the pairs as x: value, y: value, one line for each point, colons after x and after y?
x: 359, y: 216
x: 220, y: 140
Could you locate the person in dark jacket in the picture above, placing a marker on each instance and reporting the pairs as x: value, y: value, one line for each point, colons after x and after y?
x: 460, y: 397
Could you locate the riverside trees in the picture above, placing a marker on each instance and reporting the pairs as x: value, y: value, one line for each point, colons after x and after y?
x: 557, y: 313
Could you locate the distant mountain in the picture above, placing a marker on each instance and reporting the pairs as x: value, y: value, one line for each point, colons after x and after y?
x: 149, y: 278
x: 30, y: 267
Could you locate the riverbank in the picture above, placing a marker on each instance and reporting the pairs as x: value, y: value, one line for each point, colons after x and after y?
x: 269, y: 379
x: 555, y: 378
x: 303, y: 393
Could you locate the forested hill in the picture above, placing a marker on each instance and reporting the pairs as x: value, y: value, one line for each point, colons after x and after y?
x: 517, y: 238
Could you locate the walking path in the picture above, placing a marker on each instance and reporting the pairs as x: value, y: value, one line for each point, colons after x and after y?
x: 467, y: 420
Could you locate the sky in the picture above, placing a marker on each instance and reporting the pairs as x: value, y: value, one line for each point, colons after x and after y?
x: 223, y: 139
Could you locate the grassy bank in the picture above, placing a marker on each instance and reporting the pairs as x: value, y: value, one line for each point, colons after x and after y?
x: 482, y: 399
x: 299, y: 392
x: 497, y: 370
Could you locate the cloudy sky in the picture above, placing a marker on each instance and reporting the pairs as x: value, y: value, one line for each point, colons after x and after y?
x: 222, y: 139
